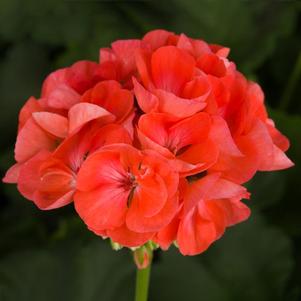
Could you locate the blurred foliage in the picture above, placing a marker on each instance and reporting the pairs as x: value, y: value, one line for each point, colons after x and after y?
x: 51, y: 255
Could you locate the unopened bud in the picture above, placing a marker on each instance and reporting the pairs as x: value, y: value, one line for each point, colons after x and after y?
x: 143, y: 256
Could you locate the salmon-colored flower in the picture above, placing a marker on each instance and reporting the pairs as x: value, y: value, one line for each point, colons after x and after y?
x: 255, y: 135
x: 118, y: 62
x: 49, y: 179
x: 110, y: 96
x: 186, y: 142
x: 152, y: 143
x: 171, y: 83
x: 210, y: 205
x: 127, y: 188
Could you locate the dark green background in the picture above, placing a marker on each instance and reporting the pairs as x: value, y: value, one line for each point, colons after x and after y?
x: 51, y: 256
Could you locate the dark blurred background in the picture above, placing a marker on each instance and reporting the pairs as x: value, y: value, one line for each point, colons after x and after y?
x: 49, y: 255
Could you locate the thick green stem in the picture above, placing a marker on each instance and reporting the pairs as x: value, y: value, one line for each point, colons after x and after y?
x: 142, y: 283
x: 291, y: 85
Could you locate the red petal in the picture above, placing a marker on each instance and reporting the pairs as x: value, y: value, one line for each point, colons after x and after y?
x: 166, y: 236
x: 149, y: 196
x: 147, y: 101
x: 171, y: 68
x: 195, y: 234
x: 198, y: 190
x: 221, y: 135
x: 56, y: 186
x: 53, y: 80
x: 278, y: 162
x: 110, y: 134
x: 164, y: 168
x: 110, y: 96
x: 220, y: 50
x: 128, y: 238
x: 83, y: 75
x: 239, y: 213
x: 82, y: 113
x: 125, y: 50
x: 12, y: 175
x: 200, y: 156
x: 157, y: 38
x: 223, y: 189
x: 103, y: 208
x: 155, y: 126
x: 31, y: 139
x: 177, y: 106
x: 278, y: 138
x: 29, y: 175
x: 54, y: 124
x: 44, y: 203
x: 31, y: 106
x: 106, y: 55
x: 136, y: 221
x: 62, y: 97
x: 198, y: 88
x: 190, y: 130
x: 143, y: 67
x: 100, y: 168
x: 212, y: 64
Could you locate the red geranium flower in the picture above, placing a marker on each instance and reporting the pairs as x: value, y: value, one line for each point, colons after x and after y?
x: 151, y: 143
x: 171, y: 82
x: 129, y: 189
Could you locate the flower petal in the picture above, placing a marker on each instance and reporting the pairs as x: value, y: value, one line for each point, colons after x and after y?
x: 31, y: 139
x: 82, y: 113
x: 125, y: 51
x: 110, y: 96
x: 29, y: 174
x: 157, y: 38
x: 178, y: 106
x: 12, y: 175
x: 52, y: 123
x: 128, y: 238
x: 137, y: 221
x: 52, y: 81
x: 62, y: 97
x: 103, y: 208
x: 32, y: 105
x: 171, y: 68
x: 147, y: 101
x: 195, y: 234
x: 149, y: 196
x: 102, y: 167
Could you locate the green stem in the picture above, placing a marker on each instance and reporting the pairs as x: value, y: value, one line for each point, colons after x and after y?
x: 142, y: 283
x: 292, y: 83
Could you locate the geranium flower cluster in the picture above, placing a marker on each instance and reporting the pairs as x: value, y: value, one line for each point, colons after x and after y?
x: 151, y: 143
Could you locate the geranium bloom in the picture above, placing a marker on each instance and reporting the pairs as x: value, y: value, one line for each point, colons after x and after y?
x: 210, y: 204
x: 171, y: 82
x: 110, y: 96
x: 255, y: 135
x: 185, y: 141
x: 152, y: 143
x: 128, y: 189
x: 49, y: 179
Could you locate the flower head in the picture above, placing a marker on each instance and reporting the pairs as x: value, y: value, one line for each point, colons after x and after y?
x: 152, y: 143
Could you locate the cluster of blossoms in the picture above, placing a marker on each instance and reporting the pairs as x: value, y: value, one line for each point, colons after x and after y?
x: 152, y: 143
